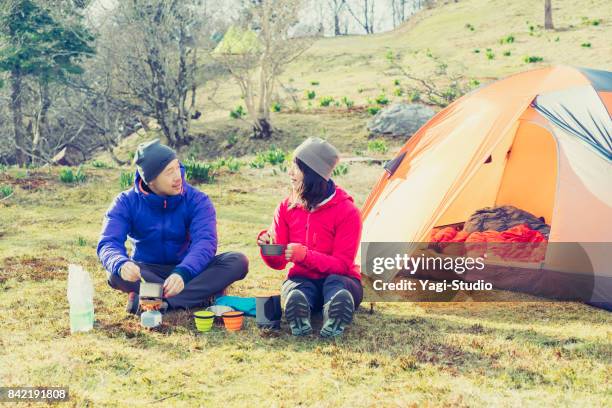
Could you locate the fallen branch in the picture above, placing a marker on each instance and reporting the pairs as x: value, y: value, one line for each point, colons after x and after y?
x: 7, y: 197
x: 165, y: 398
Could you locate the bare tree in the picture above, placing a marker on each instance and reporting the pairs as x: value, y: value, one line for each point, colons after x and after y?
x: 363, y: 14
x: 440, y: 87
x: 257, y: 50
x: 548, y: 19
x: 398, y: 11
x: 336, y: 7
x: 159, y: 41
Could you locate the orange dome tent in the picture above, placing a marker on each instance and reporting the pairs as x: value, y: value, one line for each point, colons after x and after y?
x: 538, y: 140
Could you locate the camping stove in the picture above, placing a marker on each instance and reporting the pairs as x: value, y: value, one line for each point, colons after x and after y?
x: 151, y: 295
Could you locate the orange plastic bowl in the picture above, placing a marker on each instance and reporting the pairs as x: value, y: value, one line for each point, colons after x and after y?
x: 233, y: 320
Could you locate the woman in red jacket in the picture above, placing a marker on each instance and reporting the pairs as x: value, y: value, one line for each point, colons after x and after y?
x: 321, y: 227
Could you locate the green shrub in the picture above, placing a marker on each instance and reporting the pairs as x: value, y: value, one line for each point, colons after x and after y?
x: 378, y: 146
x: 6, y: 190
x: 347, y: 102
x: 588, y: 21
x: 507, y: 53
x: 217, y: 164
x: 373, y: 110
x: 470, y: 27
x: 474, y: 83
x: 68, y: 176
x: 258, y: 162
x: 476, y: 51
x: 586, y: 45
x: 414, y: 95
x: 276, y: 107
x: 360, y: 90
x: 382, y: 99
x: 396, y: 82
x: 310, y: 95
x: 274, y: 156
x: 314, y: 83
x: 126, y: 179
x: 398, y: 92
x: 340, y: 170
x: 529, y: 59
x: 507, y: 40
x: 199, y: 171
x: 490, y: 55
x: 237, y: 113
x: 81, y: 241
x: 326, y: 101
x: 99, y: 164
x: 233, y: 165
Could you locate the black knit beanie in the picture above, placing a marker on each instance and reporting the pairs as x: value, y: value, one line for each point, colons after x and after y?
x: 151, y: 158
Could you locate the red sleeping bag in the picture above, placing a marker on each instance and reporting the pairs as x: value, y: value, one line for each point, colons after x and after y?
x: 519, y: 243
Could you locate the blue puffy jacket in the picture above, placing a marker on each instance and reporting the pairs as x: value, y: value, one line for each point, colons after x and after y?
x: 176, y: 230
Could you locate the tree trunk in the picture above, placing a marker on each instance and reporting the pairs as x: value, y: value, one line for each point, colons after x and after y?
x: 16, y: 109
x: 548, y: 20
x: 262, y: 129
x: 41, y: 122
x: 337, y: 24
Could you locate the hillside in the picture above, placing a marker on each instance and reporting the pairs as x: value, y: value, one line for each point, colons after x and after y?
x: 344, y: 65
x: 354, y: 67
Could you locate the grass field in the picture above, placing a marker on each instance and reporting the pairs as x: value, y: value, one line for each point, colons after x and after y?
x: 467, y: 354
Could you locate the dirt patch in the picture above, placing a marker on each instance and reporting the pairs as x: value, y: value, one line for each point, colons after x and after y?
x: 130, y: 326
x: 439, y: 354
x: 235, y: 141
x: 32, y: 268
x: 31, y: 182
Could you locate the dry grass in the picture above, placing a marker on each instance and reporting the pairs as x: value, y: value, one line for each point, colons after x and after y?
x: 469, y: 354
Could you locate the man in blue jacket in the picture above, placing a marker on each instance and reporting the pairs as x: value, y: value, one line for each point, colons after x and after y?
x: 173, y: 230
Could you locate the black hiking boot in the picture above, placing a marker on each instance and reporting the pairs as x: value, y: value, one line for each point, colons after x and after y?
x: 297, y: 312
x: 337, y: 314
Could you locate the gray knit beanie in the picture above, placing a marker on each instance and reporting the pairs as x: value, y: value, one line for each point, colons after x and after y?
x: 151, y: 158
x: 319, y: 155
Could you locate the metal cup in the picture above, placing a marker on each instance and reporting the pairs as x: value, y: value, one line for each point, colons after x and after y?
x: 268, y: 312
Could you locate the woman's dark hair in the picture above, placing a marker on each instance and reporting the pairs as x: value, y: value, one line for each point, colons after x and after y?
x: 314, y: 187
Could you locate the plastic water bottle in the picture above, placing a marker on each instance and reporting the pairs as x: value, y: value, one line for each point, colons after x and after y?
x: 80, y: 297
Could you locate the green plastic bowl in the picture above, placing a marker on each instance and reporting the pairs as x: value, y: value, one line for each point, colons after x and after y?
x: 203, y: 320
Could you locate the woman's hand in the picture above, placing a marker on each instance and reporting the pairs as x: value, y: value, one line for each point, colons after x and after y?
x: 295, y: 252
x: 265, y: 239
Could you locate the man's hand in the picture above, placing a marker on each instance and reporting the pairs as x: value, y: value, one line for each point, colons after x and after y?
x: 130, y: 272
x: 295, y: 252
x: 265, y: 239
x: 173, y: 285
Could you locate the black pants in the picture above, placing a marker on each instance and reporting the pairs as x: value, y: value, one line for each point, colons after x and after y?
x: 320, y: 291
x: 224, y: 269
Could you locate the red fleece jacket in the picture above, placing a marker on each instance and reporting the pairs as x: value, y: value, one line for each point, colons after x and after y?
x: 331, y: 232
